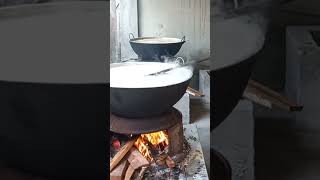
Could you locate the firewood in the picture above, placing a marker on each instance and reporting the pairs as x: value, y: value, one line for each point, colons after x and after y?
x: 119, y: 172
x: 161, y: 159
x: 170, y: 163
x: 129, y: 172
x: 267, y: 97
x: 141, y: 173
x: 194, y: 92
x: 122, y: 152
x: 136, y: 159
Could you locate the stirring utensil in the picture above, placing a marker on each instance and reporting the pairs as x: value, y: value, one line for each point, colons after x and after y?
x: 182, y: 65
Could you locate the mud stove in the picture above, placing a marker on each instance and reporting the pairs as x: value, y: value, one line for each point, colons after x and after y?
x: 155, y: 148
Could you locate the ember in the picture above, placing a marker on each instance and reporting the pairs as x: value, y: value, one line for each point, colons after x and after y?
x: 159, y: 140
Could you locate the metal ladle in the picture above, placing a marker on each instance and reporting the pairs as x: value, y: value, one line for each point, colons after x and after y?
x: 173, y: 68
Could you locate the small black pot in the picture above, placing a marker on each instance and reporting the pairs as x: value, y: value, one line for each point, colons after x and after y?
x: 155, y: 52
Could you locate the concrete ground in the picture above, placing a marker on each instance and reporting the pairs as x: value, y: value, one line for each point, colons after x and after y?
x: 285, y: 153
x: 200, y: 115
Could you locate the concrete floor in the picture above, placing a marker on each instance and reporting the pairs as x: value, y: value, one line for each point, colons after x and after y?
x: 284, y: 153
x: 200, y: 115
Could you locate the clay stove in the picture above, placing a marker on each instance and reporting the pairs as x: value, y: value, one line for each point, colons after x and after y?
x: 169, y: 123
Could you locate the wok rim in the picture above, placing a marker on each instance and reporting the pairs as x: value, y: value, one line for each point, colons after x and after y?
x: 179, y: 40
x: 114, y: 87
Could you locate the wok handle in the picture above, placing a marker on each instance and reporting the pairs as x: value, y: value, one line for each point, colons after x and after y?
x: 131, y: 36
x: 183, y: 39
x: 179, y: 60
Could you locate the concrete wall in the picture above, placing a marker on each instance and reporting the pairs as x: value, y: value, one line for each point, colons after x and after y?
x: 178, y: 18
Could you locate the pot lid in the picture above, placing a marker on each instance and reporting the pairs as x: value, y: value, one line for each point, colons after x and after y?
x: 64, y: 42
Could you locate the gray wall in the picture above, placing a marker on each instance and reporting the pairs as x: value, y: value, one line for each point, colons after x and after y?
x: 176, y: 18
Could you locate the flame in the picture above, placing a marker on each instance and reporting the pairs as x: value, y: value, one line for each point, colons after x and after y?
x: 143, y: 148
x: 156, y: 139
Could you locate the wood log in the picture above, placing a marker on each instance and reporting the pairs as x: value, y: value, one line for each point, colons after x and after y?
x: 122, y: 152
x: 136, y: 159
x: 119, y: 172
x: 194, y: 92
x: 141, y: 173
x: 170, y: 163
x: 267, y: 97
x: 129, y: 172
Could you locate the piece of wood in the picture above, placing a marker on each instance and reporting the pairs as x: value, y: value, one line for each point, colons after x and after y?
x: 170, y: 163
x: 267, y: 97
x: 175, y: 134
x: 119, y: 172
x: 194, y: 92
x: 141, y: 173
x: 129, y: 172
x: 136, y: 159
x: 122, y: 152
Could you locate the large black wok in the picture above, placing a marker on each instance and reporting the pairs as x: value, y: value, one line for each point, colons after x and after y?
x: 144, y: 102
x: 155, y: 51
x: 53, y: 89
x: 227, y: 86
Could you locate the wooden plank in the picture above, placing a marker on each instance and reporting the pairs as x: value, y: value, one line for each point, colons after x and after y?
x: 129, y: 173
x: 123, y: 151
x: 119, y: 172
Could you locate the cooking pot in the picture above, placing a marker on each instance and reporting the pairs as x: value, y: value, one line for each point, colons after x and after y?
x: 228, y: 85
x: 155, y: 48
x: 238, y: 36
x: 53, y: 89
x: 141, y: 102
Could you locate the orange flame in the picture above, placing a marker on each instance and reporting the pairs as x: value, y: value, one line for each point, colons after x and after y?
x: 155, y: 139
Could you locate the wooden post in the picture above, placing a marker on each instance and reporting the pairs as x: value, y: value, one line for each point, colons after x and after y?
x: 175, y: 134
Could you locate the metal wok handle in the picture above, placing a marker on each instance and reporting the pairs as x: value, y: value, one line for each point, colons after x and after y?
x: 179, y: 60
x: 131, y: 36
x: 183, y: 39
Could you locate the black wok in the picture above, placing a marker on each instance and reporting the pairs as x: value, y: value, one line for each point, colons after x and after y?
x: 145, y: 102
x: 228, y: 85
x: 155, y: 51
x: 53, y: 89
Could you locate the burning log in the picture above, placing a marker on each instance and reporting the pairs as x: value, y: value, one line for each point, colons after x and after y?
x: 119, y: 172
x: 122, y: 152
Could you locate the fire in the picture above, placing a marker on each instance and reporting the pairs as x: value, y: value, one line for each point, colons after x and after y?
x: 143, y: 148
x: 157, y: 139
